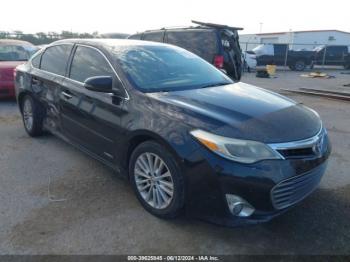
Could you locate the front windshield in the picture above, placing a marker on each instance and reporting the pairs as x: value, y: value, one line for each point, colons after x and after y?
x: 318, y: 48
x: 265, y: 49
x: 166, y: 68
x: 16, y: 52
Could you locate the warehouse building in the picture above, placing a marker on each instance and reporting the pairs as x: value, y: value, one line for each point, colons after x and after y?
x: 300, y: 40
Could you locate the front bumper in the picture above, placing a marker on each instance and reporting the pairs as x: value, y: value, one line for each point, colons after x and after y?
x: 7, y: 89
x: 210, y: 178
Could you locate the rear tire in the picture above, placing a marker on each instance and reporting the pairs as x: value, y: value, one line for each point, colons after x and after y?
x: 32, y: 116
x: 299, y: 65
x: 157, y: 180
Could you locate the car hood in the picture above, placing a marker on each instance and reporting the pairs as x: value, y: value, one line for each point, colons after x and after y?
x: 244, y: 111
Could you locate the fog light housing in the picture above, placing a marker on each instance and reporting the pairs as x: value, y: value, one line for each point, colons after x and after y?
x: 238, y: 206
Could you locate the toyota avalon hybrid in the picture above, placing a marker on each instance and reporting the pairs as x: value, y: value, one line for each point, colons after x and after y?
x: 188, y: 138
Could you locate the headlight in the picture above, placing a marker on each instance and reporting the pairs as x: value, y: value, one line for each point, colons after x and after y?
x: 244, y: 151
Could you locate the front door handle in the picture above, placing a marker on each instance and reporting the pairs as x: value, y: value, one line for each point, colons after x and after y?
x: 66, y: 95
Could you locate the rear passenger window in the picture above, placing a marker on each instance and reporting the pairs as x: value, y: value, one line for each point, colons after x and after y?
x: 201, y: 42
x: 88, y: 62
x: 55, y: 59
x: 154, y: 36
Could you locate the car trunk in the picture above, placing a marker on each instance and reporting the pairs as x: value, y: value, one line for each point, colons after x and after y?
x: 7, y: 69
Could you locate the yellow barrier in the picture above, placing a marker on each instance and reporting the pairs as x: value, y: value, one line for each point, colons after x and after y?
x: 271, y: 69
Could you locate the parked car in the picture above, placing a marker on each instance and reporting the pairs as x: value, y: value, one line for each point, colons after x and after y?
x: 336, y: 55
x: 249, y: 61
x: 186, y: 135
x: 217, y: 44
x: 280, y: 55
x: 12, y: 54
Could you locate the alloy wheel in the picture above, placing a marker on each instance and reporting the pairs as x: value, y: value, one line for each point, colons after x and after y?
x: 28, y: 114
x: 153, y: 180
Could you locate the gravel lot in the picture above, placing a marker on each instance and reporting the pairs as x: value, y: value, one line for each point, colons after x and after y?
x: 56, y: 200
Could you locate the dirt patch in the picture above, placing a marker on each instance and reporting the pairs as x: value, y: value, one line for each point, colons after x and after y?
x: 9, y: 119
x: 71, y: 200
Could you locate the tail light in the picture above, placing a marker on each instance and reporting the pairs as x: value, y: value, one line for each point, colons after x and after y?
x: 219, y: 61
x: 14, y: 73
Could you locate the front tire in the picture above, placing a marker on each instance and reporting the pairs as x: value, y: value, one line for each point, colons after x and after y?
x: 157, y: 180
x: 32, y: 116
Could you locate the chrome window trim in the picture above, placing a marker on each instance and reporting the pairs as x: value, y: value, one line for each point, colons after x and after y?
x: 50, y: 73
x: 70, y: 79
x: 305, y: 143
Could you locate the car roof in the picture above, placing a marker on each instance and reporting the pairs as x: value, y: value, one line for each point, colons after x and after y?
x: 107, y: 42
x: 203, y: 26
x: 188, y: 28
x: 14, y: 42
x: 197, y: 28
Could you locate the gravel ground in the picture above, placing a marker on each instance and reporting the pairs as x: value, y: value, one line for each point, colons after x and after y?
x: 56, y: 200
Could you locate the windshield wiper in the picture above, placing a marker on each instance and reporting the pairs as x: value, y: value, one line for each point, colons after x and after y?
x: 216, y: 84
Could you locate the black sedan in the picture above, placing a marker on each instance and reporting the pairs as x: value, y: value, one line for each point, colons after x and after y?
x: 186, y: 136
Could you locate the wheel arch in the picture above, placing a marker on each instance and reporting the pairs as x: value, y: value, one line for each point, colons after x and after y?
x: 300, y: 59
x: 140, y: 136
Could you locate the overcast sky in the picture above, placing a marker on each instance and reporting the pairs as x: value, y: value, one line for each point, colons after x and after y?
x: 129, y: 16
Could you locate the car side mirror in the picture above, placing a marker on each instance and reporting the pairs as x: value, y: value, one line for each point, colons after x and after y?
x: 103, y: 84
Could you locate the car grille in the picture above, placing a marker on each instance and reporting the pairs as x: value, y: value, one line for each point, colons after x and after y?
x: 311, y: 147
x: 295, y: 189
x: 297, y: 153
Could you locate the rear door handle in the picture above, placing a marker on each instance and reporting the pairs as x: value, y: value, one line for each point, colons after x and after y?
x: 67, y: 95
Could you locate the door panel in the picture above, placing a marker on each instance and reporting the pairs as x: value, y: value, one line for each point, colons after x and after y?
x: 47, y: 73
x: 91, y: 119
x: 281, y: 51
x: 69, y: 99
x: 335, y: 55
x: 45, y: 86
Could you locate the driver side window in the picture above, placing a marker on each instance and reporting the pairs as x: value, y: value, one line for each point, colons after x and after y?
x: 88, y: 62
